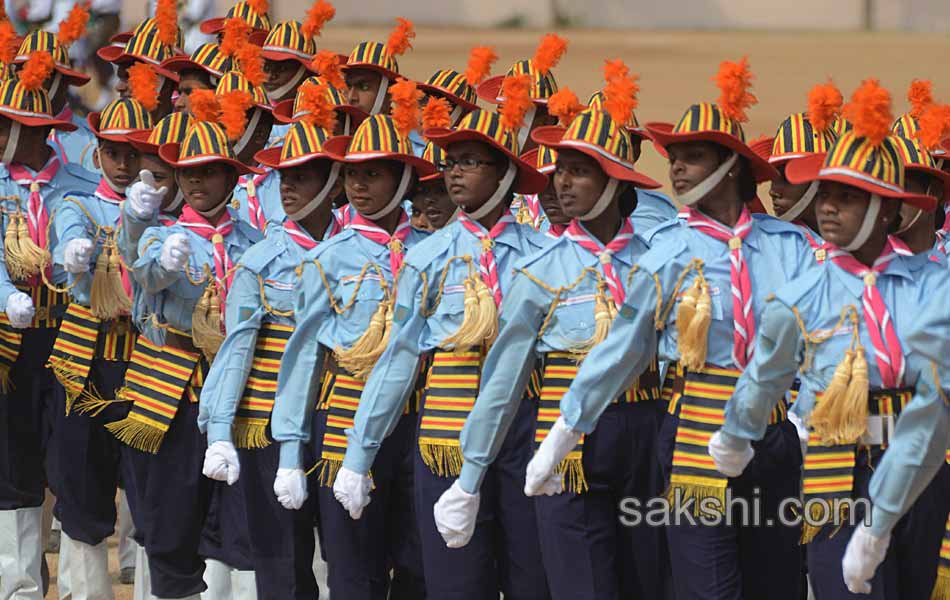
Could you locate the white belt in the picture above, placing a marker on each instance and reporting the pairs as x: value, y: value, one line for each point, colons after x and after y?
x: 880, y: 430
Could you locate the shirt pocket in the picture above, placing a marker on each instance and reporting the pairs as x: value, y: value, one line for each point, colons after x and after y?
x: 279, y: 293
x: 368, y: 294
x: 716, y: 299
x: 573, y: 322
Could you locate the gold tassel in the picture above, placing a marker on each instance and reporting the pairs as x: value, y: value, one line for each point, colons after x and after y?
x: 468, y: 333
x: 32, y: 258
x: 603, y: 319
x: 6, y: 382
x: 11, y: 248
x: 828, y: 416
x: 137, y: 434
x: 206, y: 322
x: 855, y: 404
x: 108, y: 299
x: 487, y: 322
x: 941, y: 589
x: 572, y: 470
x: 327, y: 470
x: 250, y: 433
x: 442, y: 456
x: 66, y: 373
x: 820, y: 512
x: 360, y: 358
x: 693, y: 344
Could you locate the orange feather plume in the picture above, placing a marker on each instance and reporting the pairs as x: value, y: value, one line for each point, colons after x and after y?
x: 204, y: 105
x: 166, y: 20
x: 516, y: 90
x: 143, y: 83
x: 734, y: 80
x: 319, y: 15
x: 314, y: 99
x: 549, y: 52
x: 934, y: 125
x: 406, y: 112
x: 400, y: 39
x: 234, y: 106
x: 870, y: 111
x: 565, y: 106
x: 620, y: 93
x: 235, y: 35
x: 37, y: 68
x: 824, y: 105
x: 8, y: 42
x: 480, y: 61
x: 436, y: 113
x: 73, y: 26
x: 259, y: 6
x: 252, y: 63
x: 920, y: 95
x: 327, y: 65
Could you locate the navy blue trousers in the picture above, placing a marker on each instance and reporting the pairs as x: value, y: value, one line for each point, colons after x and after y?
x: 225, y: 535
x: 589, y: 554
x: 504, y: 552
x: 910, y: 568
x: 25, y: 424
x: 742, y: 561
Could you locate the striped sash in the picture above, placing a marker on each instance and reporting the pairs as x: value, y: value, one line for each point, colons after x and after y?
x: 341, y: 397
x: 155, y: 382
x: 116, y: 340
x: 73, y: 351
x: 451, y: 390
x: 257, y: 403
x: 829, y: 469
x: 560, y: 369
x: 10, y: 340
x: 49, y: 304
x: 942, y: 587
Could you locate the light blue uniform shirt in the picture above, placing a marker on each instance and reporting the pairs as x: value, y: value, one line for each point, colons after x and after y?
x: 653, y: 208
x: 319, y: 327
x: 75, y: 147
x: 510, y: 361
x: 278, y: 132
x: 173, y: 295
x: 418, y: 143
x: 268, y: 194
x: 391, y: 381
x: 774, y: 251
x: 273, y: 261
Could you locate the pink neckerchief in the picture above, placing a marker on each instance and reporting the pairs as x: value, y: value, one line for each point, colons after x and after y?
x: 486, y: 260
x: 304, y: 239
x: 254, y: 209
x: 743, y: 320
x: 395, y: 242
x: 943, y: 234
x: 887, y: 346
x: 214, y: 233
x: 577, y: 234
x: 556, y: 231
x: 37, y: 216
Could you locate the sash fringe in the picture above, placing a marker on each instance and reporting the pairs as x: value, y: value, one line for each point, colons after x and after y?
x: 572, y: 469
x: 327, y: 469
x: 70, y: 377
x: 811, y: 531
x: 250, y: 433
x: 698, y: 489
x: 942, y: 586
x: 138, y: 435
x: 442, y: 456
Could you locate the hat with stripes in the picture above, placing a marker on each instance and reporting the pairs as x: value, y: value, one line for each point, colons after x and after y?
x: 241, y: 10
x: 918, y: 160
x: 452, y: 86
x: 44, y: 41
x: 118, y: 119
x: 145, y: 46
x: 435, y: 155
x: 204, y: 143
x: 797, y: 137
x: 543, y: 85
x: 632, y: 126
x: 289, y: 111
x: 206, y: 58
x: 286, y: 41
x: 373, y: 56
x: 543, y: 158
x: 29, y: 107
x: 170, y: 129
x: 377, y: 139
x: 303, y: 143
x: 236, y: 81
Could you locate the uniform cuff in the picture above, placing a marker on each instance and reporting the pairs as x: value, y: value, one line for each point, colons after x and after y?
x: 471, y: 477
x: 219, y: 432
x: 291, y: 455
x: 358, y: 460
x: 882, y: 522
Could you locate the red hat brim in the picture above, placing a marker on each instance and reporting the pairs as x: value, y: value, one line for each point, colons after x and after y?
x: 552, y: 137
x: 169, y: 153
x: 270, y: 157
x: 336, y: 149
x: 663, y: 136
x: 117, y: 56
x: 139, y: 141
x: 38, y: 121
x: 73, y: 77
x: 432, y: 90
x: 386, y: 73
x: 529, y: 180
x: 93, y: 120
x: 763, y: 148
x: 808, y: 169
x: 490, y: 90
x: 278, y: 55
x: 183, y: 62
x: 284, y: 113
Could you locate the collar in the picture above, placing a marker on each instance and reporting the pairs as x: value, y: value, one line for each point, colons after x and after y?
x: 513, y: 236
x: 855, y: 285
x: 625, y: 256
x: 751, y: 240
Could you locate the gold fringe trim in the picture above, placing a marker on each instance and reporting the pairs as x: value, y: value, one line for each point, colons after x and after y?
x: 108, y: 299
x: 66, y: 374
x: 443, y: 457
x: 816, y: 514
x: 250, y: 433
x: 327, y: 469
x: 6, y: 381
x: 137, y: 434
x: 92, y: 404
x: 572, y: 469
x: 698, y: 489
x: 942, y: 586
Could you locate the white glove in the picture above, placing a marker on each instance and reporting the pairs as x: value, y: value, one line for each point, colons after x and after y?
x: 540, y: 477
x: 731, y: 454
x: 77, y: 255
x: 455, y: 515
x: 142, y: 197
x: 290, y: 487
x: 352, y: 491
x: 221, y: 462
x: 175, y: 252
x: 861, y: 559
x: 20, y: 310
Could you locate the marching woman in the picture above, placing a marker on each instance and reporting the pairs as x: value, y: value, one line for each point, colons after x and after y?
x: 348, y: 116
x: 344, y: 298
x: 843, y: 327
x: 458, y: 89
x: 200, y: 71
x: 551, y: 219
x: 560, y: 305
x: 447, y: 313
x: 186, y: 270
x: 371, y: 69
x: 678, y: 306
x: 237, y: 401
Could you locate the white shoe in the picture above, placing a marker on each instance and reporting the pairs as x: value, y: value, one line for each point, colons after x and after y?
x: 218, y: 579
x: 88, y: 569
x: 142, y: 589
x: 21, y: 554
x: 243, y: 585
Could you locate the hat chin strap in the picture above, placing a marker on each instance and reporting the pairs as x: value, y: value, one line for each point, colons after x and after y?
x: 380, y: 94
x: 504, y: 188
x: 803, y: 203
x: 398, y: 197
x: 280, y: 92
x: 526, y: 130
x: 456, y: 115
x: 9, y: 151
x: 118, y: 189
x: 248, y: 131
x: 176, y: 201
x: 54, y: 85
x: 211, y: 211
x: 867, y: 225
x: 347, y: 124
x: 911, y: 224
x: 606, y: 197
x: 707, y: 185
x: 321, y: 196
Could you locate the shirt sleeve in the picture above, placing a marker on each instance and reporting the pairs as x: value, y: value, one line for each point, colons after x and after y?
x: 393, y: 378
x: 504, y: 377
x: 130, y: 232
x: 148, y: 269
x: 69, y: 222
x: 6, y: 284
x: 778, y: 353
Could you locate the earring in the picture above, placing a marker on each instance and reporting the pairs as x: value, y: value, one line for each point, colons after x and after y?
x: 732, y: 175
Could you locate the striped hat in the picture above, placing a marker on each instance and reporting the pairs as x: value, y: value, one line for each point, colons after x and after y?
x: 170, y: 129
x: 143, y: 46
x: 286, y: 42
x: 206, y: 58
x: 289, y: 111
x: 44, y: 41
x: 203, y: 144
x: 235, y: 80
x: 376, y: 139
x: 29, y: 107
x: 241, y: 10
x: 543, y: 85
x: 632, y: 126
x: 598, y: 136
x: 120, y: 118
x: 917, y: 159
x: 796, y: 137
x: 486, y: 127
x: 543, y: 158
x: 452, y: 86
x: 373, y: 56
x: 842, y: 125
x: 303, y: 143
x: 436, y: 156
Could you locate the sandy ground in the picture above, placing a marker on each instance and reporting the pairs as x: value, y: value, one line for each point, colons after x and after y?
x: 675, y: 70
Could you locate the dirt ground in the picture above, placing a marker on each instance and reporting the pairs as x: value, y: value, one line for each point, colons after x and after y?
x: 675, y: 70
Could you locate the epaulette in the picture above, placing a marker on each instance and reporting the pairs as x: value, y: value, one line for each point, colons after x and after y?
x: 526, y: 262
x: 793, y: 292
x: 657, y: 196
x: 771, y: 224
x: 428, y: 250
x: 658, y: 233
x: 662, y: 253
x: 83, y: 174
x: 257, y: 257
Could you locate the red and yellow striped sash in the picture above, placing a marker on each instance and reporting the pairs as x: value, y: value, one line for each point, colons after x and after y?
x: 941, y: 589
x: 257, y: 403
x: 450, y: 393
x: 74, y: 350
x: 340, y: 397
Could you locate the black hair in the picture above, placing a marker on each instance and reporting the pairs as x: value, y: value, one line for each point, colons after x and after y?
x: 628, y: 200
x: 746, y: 181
